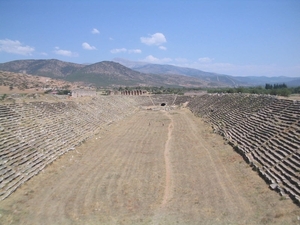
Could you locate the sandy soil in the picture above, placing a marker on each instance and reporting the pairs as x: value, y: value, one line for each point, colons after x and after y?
x: 7, y: 91
x: 28, y: 84
x: 153, y: 167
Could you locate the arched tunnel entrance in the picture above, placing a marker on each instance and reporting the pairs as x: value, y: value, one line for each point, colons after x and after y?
x: 163, y: 104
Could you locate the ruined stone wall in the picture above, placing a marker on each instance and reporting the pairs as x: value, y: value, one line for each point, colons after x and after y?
x: 133, y: 92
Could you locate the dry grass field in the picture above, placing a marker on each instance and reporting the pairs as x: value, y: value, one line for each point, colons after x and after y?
x: 154, y: 167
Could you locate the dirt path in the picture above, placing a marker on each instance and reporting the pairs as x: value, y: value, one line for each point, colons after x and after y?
x: 153, y: 167
x: 168, y: 185
x: 169, y: 179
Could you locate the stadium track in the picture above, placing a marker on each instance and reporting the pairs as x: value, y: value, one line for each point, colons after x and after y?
x: 153, y: 167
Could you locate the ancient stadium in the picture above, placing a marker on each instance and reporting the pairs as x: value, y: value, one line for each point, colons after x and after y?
x: 156, y: 159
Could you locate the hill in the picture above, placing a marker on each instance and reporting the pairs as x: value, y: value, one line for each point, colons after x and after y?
x: 104, y: 74
x: 11, y: 83
x: 42, y: 67
x: 121, y: 72
x: 207, y: 76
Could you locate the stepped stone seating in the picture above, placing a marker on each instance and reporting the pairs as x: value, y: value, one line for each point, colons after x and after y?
x: 263, y: 129
x: 164, y: 98
x: 181, y: 99
x: 143, y: 100
x: 34, y: 134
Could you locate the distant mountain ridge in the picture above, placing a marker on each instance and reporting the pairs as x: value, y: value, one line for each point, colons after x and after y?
x: 118, y: 73
x: 50, y: 68
x: 105, y: 73
x: 208, y: 76
x: 262, y: 80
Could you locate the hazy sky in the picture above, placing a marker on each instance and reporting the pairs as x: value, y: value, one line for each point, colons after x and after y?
x: 235, y: 37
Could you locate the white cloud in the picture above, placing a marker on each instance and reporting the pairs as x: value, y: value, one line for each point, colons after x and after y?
x: 155, y: 39
x: 162, y: 47
x: 15, y: 47
x: 181, y: 60
x: 44, y: 53
x: 152, y: 59
x: 95, y: 31
x: 205, y: 60
x: 86, y: 46
x: 135, y: 51
x: 118, y: 50
x: 62, y: 52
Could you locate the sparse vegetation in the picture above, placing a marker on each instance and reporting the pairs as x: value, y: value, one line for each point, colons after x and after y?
x: 276, y: 89
x: 63, y: 92
x: 3, y: 96
x: 47, y: 91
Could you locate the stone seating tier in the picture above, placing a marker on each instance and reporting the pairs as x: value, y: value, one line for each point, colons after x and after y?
x: 31, y: 133
x: 265, y: 130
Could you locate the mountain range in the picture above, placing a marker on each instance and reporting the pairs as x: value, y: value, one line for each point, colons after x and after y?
x: 120, y: 72
x: 229, y: 80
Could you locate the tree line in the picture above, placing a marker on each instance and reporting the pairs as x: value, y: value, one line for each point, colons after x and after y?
x: 271, y: 89
x: 275, y: 86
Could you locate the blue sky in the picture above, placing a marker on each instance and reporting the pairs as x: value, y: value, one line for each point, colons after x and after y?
x: 235, y: 37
